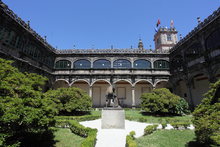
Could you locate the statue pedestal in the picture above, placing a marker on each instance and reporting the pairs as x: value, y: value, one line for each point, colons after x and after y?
x: 113, y: 118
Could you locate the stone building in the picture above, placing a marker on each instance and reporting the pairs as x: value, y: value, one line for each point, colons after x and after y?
x: 131, y: 71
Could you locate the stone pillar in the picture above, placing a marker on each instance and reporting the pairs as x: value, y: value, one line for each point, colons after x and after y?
x: 189, y: 87
x: 133, y: 96
x: 90, y: 91
x: 91, y: 60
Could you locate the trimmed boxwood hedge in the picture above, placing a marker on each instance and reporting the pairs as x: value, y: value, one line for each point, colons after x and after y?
x: 130, y: 140
x: 78, y: 118
x: 78, y: 129
x: 150, y: 129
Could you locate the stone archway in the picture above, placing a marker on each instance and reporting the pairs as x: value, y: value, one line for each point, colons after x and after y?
x: 82, y: 84
x: 217, y: 74
x: 99, y: 89
x: 200, y: 85
x: 162, y: 84
x: 123, y: 89
x: 61, y: 84
x: 182, y: 90
x: 141, y: 86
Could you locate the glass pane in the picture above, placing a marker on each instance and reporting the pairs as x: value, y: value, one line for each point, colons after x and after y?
x: 121, y: 63
x: 101, y: 64
x: 142, y: 64
x: 63, y: 64
x: 161, y: 64
x: 82, y: 64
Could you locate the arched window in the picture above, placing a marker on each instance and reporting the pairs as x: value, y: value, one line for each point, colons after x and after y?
x: 82, y: 64
x: 161, y: 64
x: 192, y: 52
x: 102, y: 64
x: 213, y: 41
x: 63, y: 64
x: 169, y: 37
x: 122, y: 63
x: 176, y: 63
x: 142, y: 64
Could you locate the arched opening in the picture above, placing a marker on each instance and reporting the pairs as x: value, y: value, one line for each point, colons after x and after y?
x: 161, y: 64
x: 182, y: 90
x: 122, y: 64
x: 141, y: 87
x: 99, y: 89
x: 82, y: 64
x: 63, y: 64
x: 213, y: 41
x: 162, y: 84
x: 60, y: 84
x: 200, y: 85
x: 142, y: 64
x: 193, y: 52
x: 177, y: 64
x: 102, y: 64
x: 123, y: 89
x: 82, y: 85
x: 217, y: 75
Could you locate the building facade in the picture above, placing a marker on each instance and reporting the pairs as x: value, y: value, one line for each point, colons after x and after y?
x: 131, y: 71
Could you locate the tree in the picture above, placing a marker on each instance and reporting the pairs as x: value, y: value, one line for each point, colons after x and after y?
x: 207, y: 117
x: 23, y: 108
x: 162, y: 101
x: 70, y: 100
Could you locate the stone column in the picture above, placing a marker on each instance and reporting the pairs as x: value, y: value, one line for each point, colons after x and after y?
x: 90, y: 91
x: 133, y: 96
x: 189, y: 87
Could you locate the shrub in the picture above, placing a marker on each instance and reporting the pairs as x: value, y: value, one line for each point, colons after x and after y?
x: 207, y: 117
x: 180, y: 124
x: 182, y: 107
x: 164, y: 125
x: 162, y: 101
x: 78, y: 129
x: 130, y: 140
x: 23, y: 108
x: 150, y: 129
x: 78, y: 118
x: 70, y: 100
x: 142, y: 119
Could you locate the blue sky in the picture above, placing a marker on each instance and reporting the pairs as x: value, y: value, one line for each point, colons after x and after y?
x: 99, y: 24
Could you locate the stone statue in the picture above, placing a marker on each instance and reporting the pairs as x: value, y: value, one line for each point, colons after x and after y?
x: 111, y: 98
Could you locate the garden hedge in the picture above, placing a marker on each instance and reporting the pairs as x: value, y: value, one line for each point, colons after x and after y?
x: 207, y: 117
x: 78, y: 129
x: 130, y: 140
x: 162, y: 101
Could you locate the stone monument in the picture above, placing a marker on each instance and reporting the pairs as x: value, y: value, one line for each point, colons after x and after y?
x: 113, y: 116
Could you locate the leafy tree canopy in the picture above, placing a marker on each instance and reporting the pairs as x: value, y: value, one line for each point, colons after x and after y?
x: 207, y: 117
x: 162, y: 101
x: 23, y: 108
x: 70, y: 100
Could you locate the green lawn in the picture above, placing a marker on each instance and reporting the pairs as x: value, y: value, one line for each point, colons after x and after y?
x: 167, y: 138
x: 65, y: 138
x: 136, y: 115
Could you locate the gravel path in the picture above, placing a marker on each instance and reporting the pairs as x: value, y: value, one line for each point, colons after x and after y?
x: 115, y: 137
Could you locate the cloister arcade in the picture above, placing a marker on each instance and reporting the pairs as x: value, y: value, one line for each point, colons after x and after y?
x: 127, y: 92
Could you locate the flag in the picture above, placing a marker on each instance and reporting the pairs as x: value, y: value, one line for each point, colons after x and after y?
x: 171, y: 23
x: 158, y: 23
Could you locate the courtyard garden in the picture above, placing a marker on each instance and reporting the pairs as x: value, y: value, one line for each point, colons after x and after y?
x: 32, y: 116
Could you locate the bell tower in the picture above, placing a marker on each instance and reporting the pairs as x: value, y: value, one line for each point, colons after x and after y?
x: 165, y: 38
